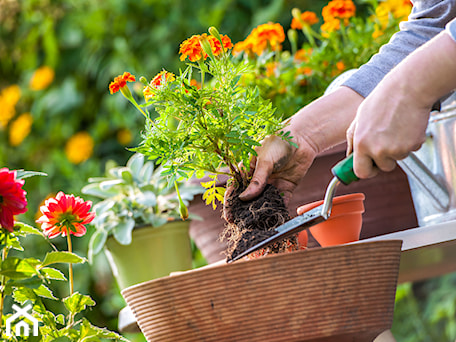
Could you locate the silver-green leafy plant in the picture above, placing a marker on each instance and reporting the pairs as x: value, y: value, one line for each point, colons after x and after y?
x: 131, y: 196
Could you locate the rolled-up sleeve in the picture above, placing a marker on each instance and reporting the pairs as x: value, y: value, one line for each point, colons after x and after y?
x: 451, y: 29
x: 427, y: 19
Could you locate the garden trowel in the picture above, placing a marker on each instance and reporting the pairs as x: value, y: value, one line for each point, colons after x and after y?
x: 343, y: 173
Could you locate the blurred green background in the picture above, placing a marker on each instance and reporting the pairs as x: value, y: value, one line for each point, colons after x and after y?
x: 89, y: 42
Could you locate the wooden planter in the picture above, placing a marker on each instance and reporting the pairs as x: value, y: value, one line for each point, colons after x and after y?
x: 388, y: 204
x: 339, y: 293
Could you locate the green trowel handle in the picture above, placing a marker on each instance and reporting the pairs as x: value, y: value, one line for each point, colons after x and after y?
x: 343, y: 170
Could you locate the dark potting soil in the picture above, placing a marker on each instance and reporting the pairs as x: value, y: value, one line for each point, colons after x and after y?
x: 253, y: 221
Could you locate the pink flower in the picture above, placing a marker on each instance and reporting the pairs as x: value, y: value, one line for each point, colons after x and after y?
x: 12, y: 198
x: 65, y: 214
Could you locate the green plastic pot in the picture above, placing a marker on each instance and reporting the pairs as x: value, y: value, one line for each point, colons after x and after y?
x: 153, y: 253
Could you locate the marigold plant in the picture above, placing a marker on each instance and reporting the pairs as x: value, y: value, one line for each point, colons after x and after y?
x: 209, y: 129
x: 344, y: 39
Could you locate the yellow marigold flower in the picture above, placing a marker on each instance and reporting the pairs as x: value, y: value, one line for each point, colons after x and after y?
x: 124, y: 136
x: 79, y: 147
x: 398, y: 9
x: 20, y: 129
x: 41, y: 78
x: 339, y: 9
x: 9, y: 97
x: 306, y: 18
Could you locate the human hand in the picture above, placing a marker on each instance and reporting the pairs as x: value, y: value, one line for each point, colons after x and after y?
x: 387, y: 127
x: 279, y: 164
x: 315, y: 128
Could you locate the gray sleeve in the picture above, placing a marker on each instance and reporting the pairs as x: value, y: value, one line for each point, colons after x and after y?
x: 451, y: 29
x: 427, y: 19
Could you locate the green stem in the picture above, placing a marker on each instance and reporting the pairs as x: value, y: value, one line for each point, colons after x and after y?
x: 2, y: 283
x: 70, y: 270
x: 201, y: 64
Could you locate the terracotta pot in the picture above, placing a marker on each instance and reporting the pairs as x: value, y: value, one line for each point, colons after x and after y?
x: 341, y: 293
x: 344, y: 223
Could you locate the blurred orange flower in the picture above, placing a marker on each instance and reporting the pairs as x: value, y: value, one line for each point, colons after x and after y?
x: 339, y: 9
x: 262, y: 37
x: 120, y: 82
x: 306, y: 18
x: 41, y: 78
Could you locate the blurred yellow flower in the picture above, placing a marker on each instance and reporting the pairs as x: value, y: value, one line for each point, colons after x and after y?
x: 79, y: 147
x: 398, y: 9
x: 124, y: 136
x: 20, y: 129
x: 41, y: 78
x: 8, y: 100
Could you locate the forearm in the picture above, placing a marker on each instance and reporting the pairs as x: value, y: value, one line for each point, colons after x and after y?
x: 323, y: 123
x: 427, y: 74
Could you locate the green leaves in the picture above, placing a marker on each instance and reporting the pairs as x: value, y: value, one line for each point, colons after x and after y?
x: 62, y: 257
x: 219, y: 124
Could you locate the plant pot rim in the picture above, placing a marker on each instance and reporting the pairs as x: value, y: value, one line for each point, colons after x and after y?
x: 357, y: 196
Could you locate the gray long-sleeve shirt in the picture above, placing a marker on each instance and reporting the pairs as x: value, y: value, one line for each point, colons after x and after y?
x: 427, y: 19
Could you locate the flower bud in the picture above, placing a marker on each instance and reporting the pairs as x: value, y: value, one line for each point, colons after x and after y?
x: 183, y: 210
x: 143, y: 80
x: 206, y: 46
x: 292, y: 36
x: 215, y: 33
x: 296, y: 13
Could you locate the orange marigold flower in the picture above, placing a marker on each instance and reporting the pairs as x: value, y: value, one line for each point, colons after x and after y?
x: 192, y: 49
x: 120, y: 82
x: 340, y: 66
x: 158, y: 81
x: 306, y: 18
x: 66, y: 215
x: 339, y: 9
x: 307, y: 71
x: 271, y: 69
x: 262, y: 37
x: 302, y: 55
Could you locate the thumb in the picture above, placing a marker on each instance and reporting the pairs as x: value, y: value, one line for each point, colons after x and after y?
x: 263, y: 169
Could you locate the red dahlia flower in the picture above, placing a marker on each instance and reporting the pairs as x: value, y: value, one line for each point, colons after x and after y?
x: 12, y: 198
x: 65, y: 214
